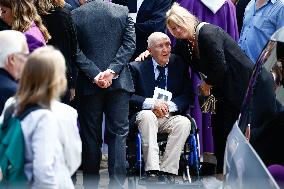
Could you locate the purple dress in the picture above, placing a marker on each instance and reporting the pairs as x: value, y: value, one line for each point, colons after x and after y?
x: 225, y: 17
x: 34, y: 37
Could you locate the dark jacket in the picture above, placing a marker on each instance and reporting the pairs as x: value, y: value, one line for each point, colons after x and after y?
x: 4, y: 26
x: 60, y: 25
x: 226, y: 66
x: 101, y: 50
x: 144, y: 83
x: 151, y: 17
x: 8, y: 87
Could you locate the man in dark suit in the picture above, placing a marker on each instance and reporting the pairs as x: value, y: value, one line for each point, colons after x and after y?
x: 106, y: 38
x: 13, y: 50
x: 151, y: 17
x: 154, y: 115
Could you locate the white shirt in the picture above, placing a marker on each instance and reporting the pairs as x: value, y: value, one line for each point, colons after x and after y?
x: 213, y: 5
x: 149, y: 102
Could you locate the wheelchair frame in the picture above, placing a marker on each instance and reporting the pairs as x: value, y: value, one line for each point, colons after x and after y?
x: 191, y: 153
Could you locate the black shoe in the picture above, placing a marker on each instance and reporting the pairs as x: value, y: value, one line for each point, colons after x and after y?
x: 150, y: 177
x: 168, y: 178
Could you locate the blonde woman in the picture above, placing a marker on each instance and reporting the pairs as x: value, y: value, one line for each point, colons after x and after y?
x: 21, y: 15
x: 210, y: 50
x: 52, y: 142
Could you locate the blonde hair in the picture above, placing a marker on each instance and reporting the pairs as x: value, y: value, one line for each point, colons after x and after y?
x: 156, y: 36
x: 43, y: 78
x: 24, y: 13
x: 181, y: 17
x: 45, y: 6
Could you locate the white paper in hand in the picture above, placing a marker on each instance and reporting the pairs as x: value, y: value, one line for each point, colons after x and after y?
x: 162, y: 94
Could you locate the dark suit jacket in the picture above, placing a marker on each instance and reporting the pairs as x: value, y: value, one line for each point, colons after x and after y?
x: 144, y: 83
x: 4, y: 26
x: 151, y: 17
x: 8, y: 87
x: 226, y: 66
x: 60, y: 25
x: 106, y: 37
x: 131, y: 4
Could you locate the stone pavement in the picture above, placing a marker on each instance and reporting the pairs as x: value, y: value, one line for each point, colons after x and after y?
x: 209, y: 182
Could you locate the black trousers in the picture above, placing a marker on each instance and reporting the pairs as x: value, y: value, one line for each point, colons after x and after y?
x: 115, y: 105
x: 222, y: 123
x: 267, y: 140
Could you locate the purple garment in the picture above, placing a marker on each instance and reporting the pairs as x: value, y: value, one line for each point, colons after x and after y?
x: 225, y: 18
x: 277, y: 171
x: 34, y: 37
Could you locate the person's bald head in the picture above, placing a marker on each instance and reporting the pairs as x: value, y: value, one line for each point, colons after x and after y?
x: 13, y: 49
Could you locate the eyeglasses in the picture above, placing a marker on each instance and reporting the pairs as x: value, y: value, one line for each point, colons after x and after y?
x: 162, y: 45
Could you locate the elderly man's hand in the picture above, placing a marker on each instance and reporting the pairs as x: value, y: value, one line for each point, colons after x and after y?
x: 161, y: 108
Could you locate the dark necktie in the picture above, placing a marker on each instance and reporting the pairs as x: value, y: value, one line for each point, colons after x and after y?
x: 161, y: 79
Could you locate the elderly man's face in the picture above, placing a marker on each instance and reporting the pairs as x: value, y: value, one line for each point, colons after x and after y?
x: 17, y: 61
x: 161, y: 51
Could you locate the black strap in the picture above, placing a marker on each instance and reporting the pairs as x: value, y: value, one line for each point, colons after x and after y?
x: 7, y: 115
x: 10, y: 110
x: 29, y: 109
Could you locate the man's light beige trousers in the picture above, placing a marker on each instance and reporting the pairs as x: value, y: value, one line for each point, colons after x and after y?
x: 149, y: 126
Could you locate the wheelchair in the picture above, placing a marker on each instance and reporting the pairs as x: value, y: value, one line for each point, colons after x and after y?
x: 189, y: 169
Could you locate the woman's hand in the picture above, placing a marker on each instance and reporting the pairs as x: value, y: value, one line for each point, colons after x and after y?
x: 205, y: 89
x: 142, y: 56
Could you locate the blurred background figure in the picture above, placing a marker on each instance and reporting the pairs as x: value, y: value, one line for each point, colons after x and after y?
x: 13, y: 53
x: 60, y: 25
x: 21, y: 15
x: 75, y: 3
x: 240, y: 11
x: 52, y: 141
x: 261, y: 19
x: 150, y: 17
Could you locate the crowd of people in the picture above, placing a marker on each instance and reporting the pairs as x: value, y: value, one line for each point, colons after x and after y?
x: 76, y: 61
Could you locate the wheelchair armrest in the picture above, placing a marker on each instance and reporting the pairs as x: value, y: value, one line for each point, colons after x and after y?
x: 194, y: 128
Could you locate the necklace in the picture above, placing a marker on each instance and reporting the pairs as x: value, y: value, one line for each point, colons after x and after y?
x: 192, y: 42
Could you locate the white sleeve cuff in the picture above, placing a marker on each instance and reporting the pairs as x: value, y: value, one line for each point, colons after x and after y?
x: 111, y: 71
x: 172, y: 106
x: 148, y: 104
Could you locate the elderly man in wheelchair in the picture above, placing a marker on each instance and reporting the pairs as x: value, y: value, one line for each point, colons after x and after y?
x: 162, y: 96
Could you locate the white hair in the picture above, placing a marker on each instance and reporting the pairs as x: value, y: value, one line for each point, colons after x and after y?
x: 156, y: 36
x: 11, y: 41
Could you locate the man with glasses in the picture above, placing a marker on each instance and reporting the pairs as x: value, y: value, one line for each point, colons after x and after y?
x: 13, y: 55
x: 162, y: 114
